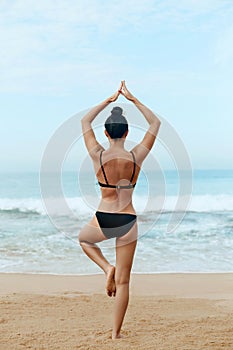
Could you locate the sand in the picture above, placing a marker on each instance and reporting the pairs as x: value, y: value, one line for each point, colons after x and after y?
x: 166, y: 311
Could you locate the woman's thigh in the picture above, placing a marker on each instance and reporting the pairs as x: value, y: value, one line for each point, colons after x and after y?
x: 91, y: 232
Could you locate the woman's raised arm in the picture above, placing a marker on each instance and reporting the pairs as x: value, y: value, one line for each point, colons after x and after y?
x: 91, y: 143
x: 142, y: 149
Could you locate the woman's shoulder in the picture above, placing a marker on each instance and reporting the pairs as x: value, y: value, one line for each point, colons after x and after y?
x: 117, y: 154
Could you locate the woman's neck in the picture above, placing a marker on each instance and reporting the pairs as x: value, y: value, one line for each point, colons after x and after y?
x: 117, y: 143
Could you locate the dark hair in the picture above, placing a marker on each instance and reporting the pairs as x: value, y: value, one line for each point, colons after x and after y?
x: 116, y: 125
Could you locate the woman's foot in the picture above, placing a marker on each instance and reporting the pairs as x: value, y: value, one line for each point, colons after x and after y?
x: 117, y: 336
x: 110, y: 282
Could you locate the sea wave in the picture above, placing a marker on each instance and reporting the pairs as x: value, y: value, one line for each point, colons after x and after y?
x: 142, y: 204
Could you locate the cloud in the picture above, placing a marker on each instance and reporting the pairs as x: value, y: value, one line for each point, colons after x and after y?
x: 47, y: 46
x: 199, y: 6
x: 223, y: 50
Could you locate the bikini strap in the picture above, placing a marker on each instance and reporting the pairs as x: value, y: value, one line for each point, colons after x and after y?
x: 102, y: 167
x: 134, y: 166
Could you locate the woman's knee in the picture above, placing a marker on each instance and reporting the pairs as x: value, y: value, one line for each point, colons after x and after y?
x: 122, y: 277
x: 122, y: 280
x: 82, y: 237
x: 85, y: 239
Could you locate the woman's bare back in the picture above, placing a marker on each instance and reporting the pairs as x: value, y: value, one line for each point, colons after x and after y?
x: 118, y: 167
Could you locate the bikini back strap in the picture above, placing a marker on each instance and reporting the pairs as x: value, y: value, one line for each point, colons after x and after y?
x: 134, y: 166
x: 102, y: 167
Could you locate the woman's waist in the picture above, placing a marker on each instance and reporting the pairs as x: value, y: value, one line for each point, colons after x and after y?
x: 113, y: 207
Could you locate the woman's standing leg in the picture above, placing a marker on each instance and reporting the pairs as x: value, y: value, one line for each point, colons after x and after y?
x: 125, y: 248
x: 88, y: 236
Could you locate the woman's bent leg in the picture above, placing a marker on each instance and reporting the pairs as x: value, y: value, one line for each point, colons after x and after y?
x: 124, y: 260
x: 88, y: 236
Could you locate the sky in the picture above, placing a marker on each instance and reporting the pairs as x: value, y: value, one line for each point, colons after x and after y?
x: 59, y: 58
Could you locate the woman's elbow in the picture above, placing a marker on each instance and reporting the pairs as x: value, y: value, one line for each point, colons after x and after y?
x: 157, y: 123
x: 85, y: 121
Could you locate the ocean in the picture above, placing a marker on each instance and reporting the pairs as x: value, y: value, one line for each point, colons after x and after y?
x: 33, y: 242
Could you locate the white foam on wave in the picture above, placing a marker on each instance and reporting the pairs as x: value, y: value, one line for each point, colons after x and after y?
x: 198, y: 203
x: 55, y: 206
x: 23, y: 205
x: 211, y: 203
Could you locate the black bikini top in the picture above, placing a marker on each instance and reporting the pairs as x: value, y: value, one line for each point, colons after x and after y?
x: 130, y: 185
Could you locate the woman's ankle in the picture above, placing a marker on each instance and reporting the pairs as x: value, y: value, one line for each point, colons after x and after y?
x: 108, y: 268
x: 116, y: 335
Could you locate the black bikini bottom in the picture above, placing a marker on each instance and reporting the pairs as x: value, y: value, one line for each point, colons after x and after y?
x: 115, y: 224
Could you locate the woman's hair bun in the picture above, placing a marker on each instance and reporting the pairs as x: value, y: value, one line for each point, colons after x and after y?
x: 116, y: 124
x: 117, y: 111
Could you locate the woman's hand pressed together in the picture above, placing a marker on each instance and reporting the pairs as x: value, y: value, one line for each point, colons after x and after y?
x: 125, y: 92
x: 116, y: 94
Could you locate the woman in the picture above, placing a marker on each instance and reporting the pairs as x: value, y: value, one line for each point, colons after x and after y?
x: 117, y: 171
